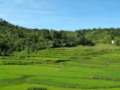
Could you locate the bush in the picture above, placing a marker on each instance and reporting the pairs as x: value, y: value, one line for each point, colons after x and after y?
x: 117, y: 41
x: 37, y: 88
x: 56, y: 43
x: 72, y: 44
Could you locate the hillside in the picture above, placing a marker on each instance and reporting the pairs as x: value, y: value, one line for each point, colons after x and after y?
x: 16, y: 38
x: 42, y: 59
x: 66, y: 68
x: 105, y: 35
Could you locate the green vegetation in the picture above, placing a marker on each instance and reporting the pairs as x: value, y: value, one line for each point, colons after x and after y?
x: 15, y: 38
x: 66, y: 68
x: 33, y: 59
x: 37, y: 88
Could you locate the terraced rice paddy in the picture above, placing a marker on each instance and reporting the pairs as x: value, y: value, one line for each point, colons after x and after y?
x: 73, y: 68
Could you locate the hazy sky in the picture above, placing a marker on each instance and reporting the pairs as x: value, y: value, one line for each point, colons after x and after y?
x: 61, y: 14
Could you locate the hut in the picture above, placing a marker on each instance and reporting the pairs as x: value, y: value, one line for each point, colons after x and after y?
x: 113, y: 42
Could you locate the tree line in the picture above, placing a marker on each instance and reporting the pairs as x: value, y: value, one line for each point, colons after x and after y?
x: 16, y: 38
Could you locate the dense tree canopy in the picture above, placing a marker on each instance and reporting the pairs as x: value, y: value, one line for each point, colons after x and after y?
x: 16, y: 38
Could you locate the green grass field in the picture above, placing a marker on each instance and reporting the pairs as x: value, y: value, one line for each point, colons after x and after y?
x: 66, y: 68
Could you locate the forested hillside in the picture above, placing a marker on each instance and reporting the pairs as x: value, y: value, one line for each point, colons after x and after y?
x: 16, y: 38
x: 105, y: 35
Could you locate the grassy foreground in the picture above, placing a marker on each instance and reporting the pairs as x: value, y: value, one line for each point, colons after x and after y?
x: 75, y: 68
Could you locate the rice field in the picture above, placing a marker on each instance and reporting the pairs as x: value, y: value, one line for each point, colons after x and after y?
x: 73, y: 68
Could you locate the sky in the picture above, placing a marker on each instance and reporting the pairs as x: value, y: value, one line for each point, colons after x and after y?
x: 61, y: 14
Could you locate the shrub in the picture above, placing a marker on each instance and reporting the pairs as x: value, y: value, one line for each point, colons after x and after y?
x: 37, y: 88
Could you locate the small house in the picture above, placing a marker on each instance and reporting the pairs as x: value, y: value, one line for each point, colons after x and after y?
x: 113, y: 42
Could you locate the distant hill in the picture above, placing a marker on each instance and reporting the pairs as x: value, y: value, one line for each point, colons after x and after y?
x: 16, y: 38
x: 105, y: 35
